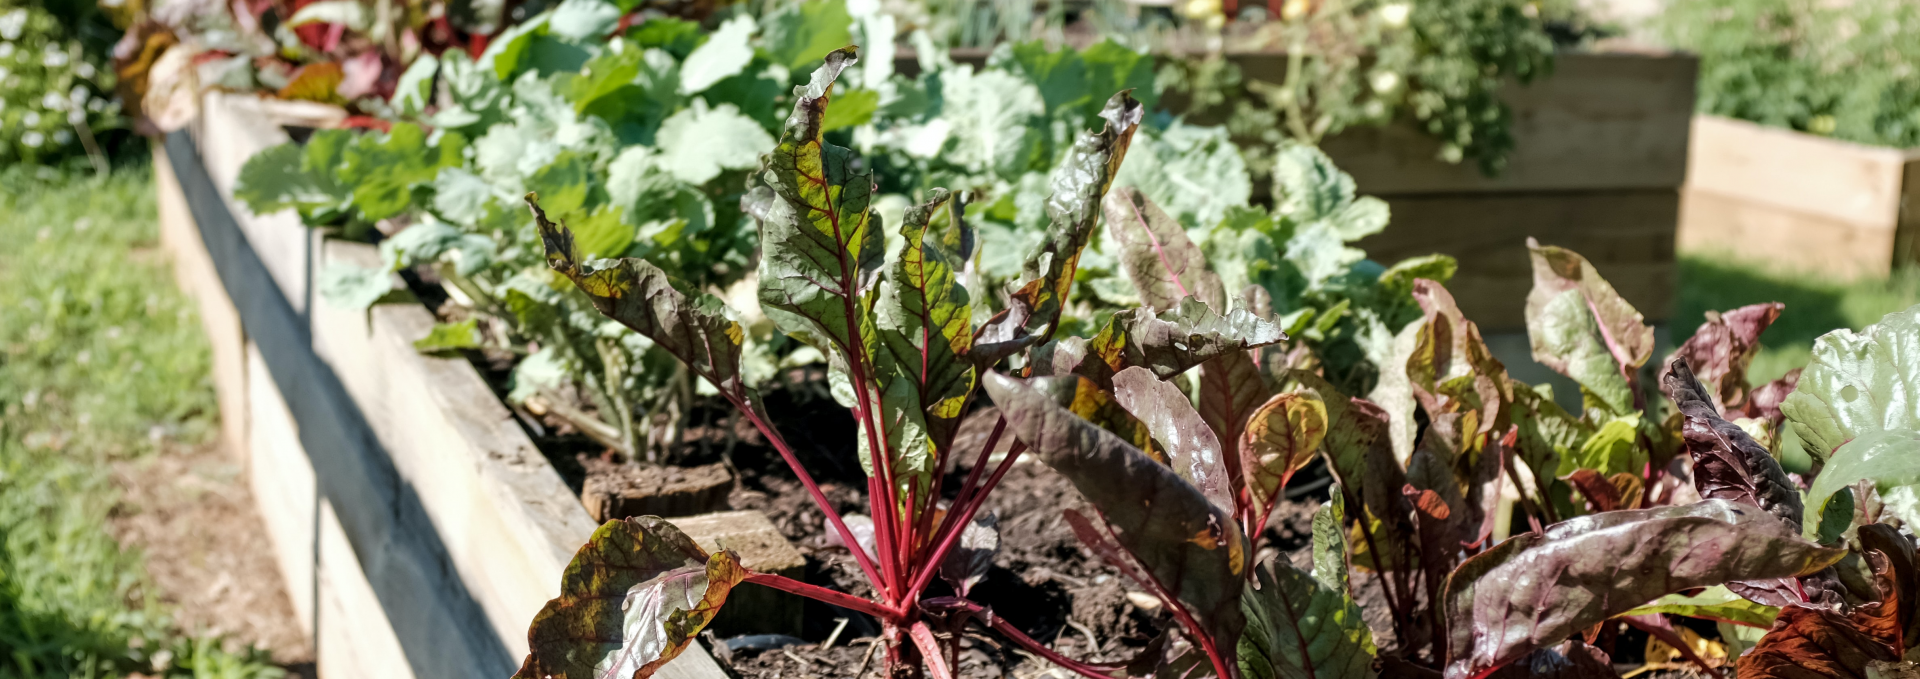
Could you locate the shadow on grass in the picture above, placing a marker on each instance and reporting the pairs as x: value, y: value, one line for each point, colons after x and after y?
x: 1816, y: 305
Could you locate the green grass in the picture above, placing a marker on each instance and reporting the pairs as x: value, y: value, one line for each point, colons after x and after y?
x: 1815, y: 305
x: 101, y: 358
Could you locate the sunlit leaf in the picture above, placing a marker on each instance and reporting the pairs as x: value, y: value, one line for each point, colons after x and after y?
x: 1298, y: 628
x: 1858, y: 383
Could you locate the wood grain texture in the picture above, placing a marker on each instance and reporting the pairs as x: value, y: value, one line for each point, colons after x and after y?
x: 1713, y: 223
x: 433, y: 510
x: 1600, y: 121
x: 1801, y: 172
x: 193, y: 272
x: 1628, y: 235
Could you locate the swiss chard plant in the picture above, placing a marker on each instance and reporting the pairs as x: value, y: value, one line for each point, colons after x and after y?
x: 1179, y: 481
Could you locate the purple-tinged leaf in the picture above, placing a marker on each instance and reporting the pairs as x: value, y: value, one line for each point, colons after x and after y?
x: 925, y: 333
x: 1191, y: 447
x: 1727, y: 463
x: 1155, y: 253
x: 1555, y: 270
x: 1281, y: 438
x: 1447, y: 349
x: 1079, y: 185
x: 1903, y: 568
x: 1172, y: 342
x: 1720, y: 351
x: 1360, y: 454
x: 1567, y: 660
x: 1821, y: 642
x: 1764, y: 401
x: 1538, y: 589
x: 632, y: 599
x: 969, y: 561
x: 1192, y: 550
x: 640, y: 296
x: 1232, y: 389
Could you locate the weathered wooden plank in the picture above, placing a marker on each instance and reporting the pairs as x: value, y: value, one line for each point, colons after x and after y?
x: 442, y: 630
x: 1713, y: 223
x: 231, y: 128
x: 193, y: 271
x: 1804, y: 173
x: 457, y: 527
x: 1600, y: 121
x: 1628, y: 235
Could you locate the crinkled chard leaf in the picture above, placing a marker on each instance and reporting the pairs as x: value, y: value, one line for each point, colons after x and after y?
x: 1298, y: 628
x: 1079, y: 184
x: 1359, y: 452
x: 1281, y: 438
x: 1164, y: 265
x: 632, y: 599
x: 1555, y: 270
x: 1720, y: 351
x: 1727, y: 463
x: 1193, y: 550
x: 1858, y: 383
x: 1330, y: 542
x: 925, y: 330
x: 1172, y: 342
x: 1538, y: 589
x: 640, y: 296
x: 1451, y: 369
x: 822, y: 240
x: 1821, y: 642
x: 1191, y: 447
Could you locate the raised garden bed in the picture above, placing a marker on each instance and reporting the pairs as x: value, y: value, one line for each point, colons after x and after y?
x: 1799, y: 200
x: 418, y: 527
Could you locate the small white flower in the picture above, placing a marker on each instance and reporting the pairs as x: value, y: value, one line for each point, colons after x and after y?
x: 85, y: 70
x: 62, y: 136
x: 1395, y: 15
x: 6, y: 50
x: 96, y: 105
x: 31, y: 119
x: 76, y: 116
x: 33, y: 139
x: 77, y: 95
x: 12, y: 23
x: 4, y: 72
x: 1385, y: 82
x: 52, y: 101
x: 54, y: 59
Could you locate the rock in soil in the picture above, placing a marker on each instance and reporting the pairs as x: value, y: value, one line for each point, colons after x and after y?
x: 617, y: 491
x: 751, y: 608
x: 191, y: 513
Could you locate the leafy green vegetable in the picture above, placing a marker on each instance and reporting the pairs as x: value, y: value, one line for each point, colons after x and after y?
x: 631, y: 600
x: 1859, y: 383
x: 1538, y: 589
x: 450, y: 338
x: 1299, y: 627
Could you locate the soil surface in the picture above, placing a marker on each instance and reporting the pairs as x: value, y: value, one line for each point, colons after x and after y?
x: 1043, y: 580
x: 190, y: 511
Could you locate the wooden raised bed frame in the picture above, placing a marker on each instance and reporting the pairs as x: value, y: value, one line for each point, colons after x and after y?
x: 1800, y: 201
x: 417, y: 527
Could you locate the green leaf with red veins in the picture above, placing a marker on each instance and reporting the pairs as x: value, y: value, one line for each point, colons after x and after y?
x: 1191, y: 447
x: 925, y: 330
x: 632, y: 599
x: 1281, y: 437
x: 1360, y: 454
x: 1720, y: 351
x: 1298, y: 628
x: 1448, y: 348
x: 1079, y: 184
x: 822, y: 241
x: 1232, y: 388
x: 1581, y: 328
x: 1537, y: 589
x: 1172, y: 342
x: 1155, y: 253
x: 1190, y: 548
x: 641, y: 296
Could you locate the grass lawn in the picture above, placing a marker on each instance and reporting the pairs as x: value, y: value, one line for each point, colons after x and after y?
x: 1815, y: 305
x: 101, y: 359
